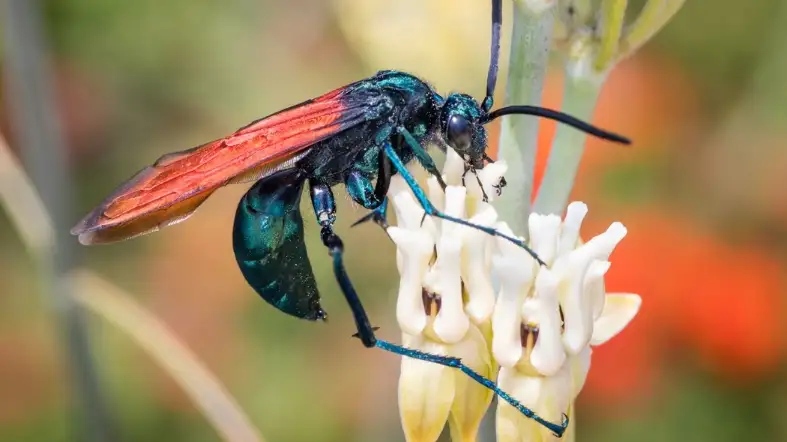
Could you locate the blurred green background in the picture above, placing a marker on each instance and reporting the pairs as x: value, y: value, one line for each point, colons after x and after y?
x: 702, y: 191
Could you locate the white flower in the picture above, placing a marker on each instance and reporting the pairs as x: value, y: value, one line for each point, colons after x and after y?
x: 539, y: 326
x: 445, y: 302
x: 546, y: 318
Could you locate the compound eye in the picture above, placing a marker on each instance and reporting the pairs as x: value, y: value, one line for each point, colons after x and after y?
x: 458, y: 133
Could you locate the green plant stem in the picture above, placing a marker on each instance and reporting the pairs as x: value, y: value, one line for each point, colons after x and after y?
x: 655, y: 14
x: 579, y: 99
x: 613, y: 12
x: 530, y: 45
x: 203, y: 388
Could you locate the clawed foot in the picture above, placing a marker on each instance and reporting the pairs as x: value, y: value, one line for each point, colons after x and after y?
x: 358, y: 335
x: 484, y: 196
x: 375, y: 216
x: 499, y: 186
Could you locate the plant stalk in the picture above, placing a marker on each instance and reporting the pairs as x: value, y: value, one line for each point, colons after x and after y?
x: 530, y: 44
x: 35, y: 123
x: 580, y: 95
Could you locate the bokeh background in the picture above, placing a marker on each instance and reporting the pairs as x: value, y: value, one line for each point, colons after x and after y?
x: 703, y: 192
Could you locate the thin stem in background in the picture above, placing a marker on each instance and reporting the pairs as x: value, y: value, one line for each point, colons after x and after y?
x: 579, y: 99
x: 205, y: 391
x: 654, y: 16
x: 530, y: 44
x: 36, y: 126
x: 28, y: 214
x: 593, y: 51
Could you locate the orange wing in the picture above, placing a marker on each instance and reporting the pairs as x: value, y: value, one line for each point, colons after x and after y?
x: 172, y: 188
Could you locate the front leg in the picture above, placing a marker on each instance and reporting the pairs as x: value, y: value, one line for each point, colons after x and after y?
x: 431, y: 210
x: 421, y: 155
x: 484, y: 196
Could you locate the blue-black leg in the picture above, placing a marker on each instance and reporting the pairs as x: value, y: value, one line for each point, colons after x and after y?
x: 379, y: 203
x: 361, y: 189
x: 325, y: 209
x: 430, y: 210
x: 378, y: 215
x: 449, y: 361
x: 428, y: 163
x: 484, y: 196
x: 421, y: 155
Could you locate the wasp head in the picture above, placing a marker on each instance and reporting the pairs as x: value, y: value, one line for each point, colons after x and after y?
x: 463, y: 130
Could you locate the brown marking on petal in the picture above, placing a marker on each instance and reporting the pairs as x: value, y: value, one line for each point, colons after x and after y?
x: 432, y: 302
x: 562, y: 319
x: 528, y: 335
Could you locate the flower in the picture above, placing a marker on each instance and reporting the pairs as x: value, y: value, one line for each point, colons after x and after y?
x: 539, y: 327
x: 445, y: 302
x: 546, y: 318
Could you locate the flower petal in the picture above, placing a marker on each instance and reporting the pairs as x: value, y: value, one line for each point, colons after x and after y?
x: 515, y: 269
x: 453, y: 169
x: 578, y: 317
x: 408, y: 212
x: 426, y: 393
x: 576, y: 302
x: 569, y: 233
x: 549, y: 397
x: 544, y: 231
x: 490, y: 178
x: 548, y: 354
x: 594, y: 286
x: 579, y: 367
x: 436, y: 193
x: 451, y: 322
x: 601, y: 246
x: 471, y: 399
x: 619, y: 310
x: 476, y: 272
x: 415, y: 247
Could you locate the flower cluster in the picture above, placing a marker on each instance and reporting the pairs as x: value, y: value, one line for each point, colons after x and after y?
x: 536, y: 329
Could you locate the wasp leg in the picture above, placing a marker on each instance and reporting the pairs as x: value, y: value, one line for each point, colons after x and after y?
x: 377, y: 215
x: 325, y: 209
x: 378, y: 202
x: 359, y: 186
x: 449, y: 361
x: 422, y: 155
x: 429, y: 208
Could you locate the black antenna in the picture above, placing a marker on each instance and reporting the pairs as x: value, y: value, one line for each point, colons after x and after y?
x: 491, y: 78
x: 557, y: 116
